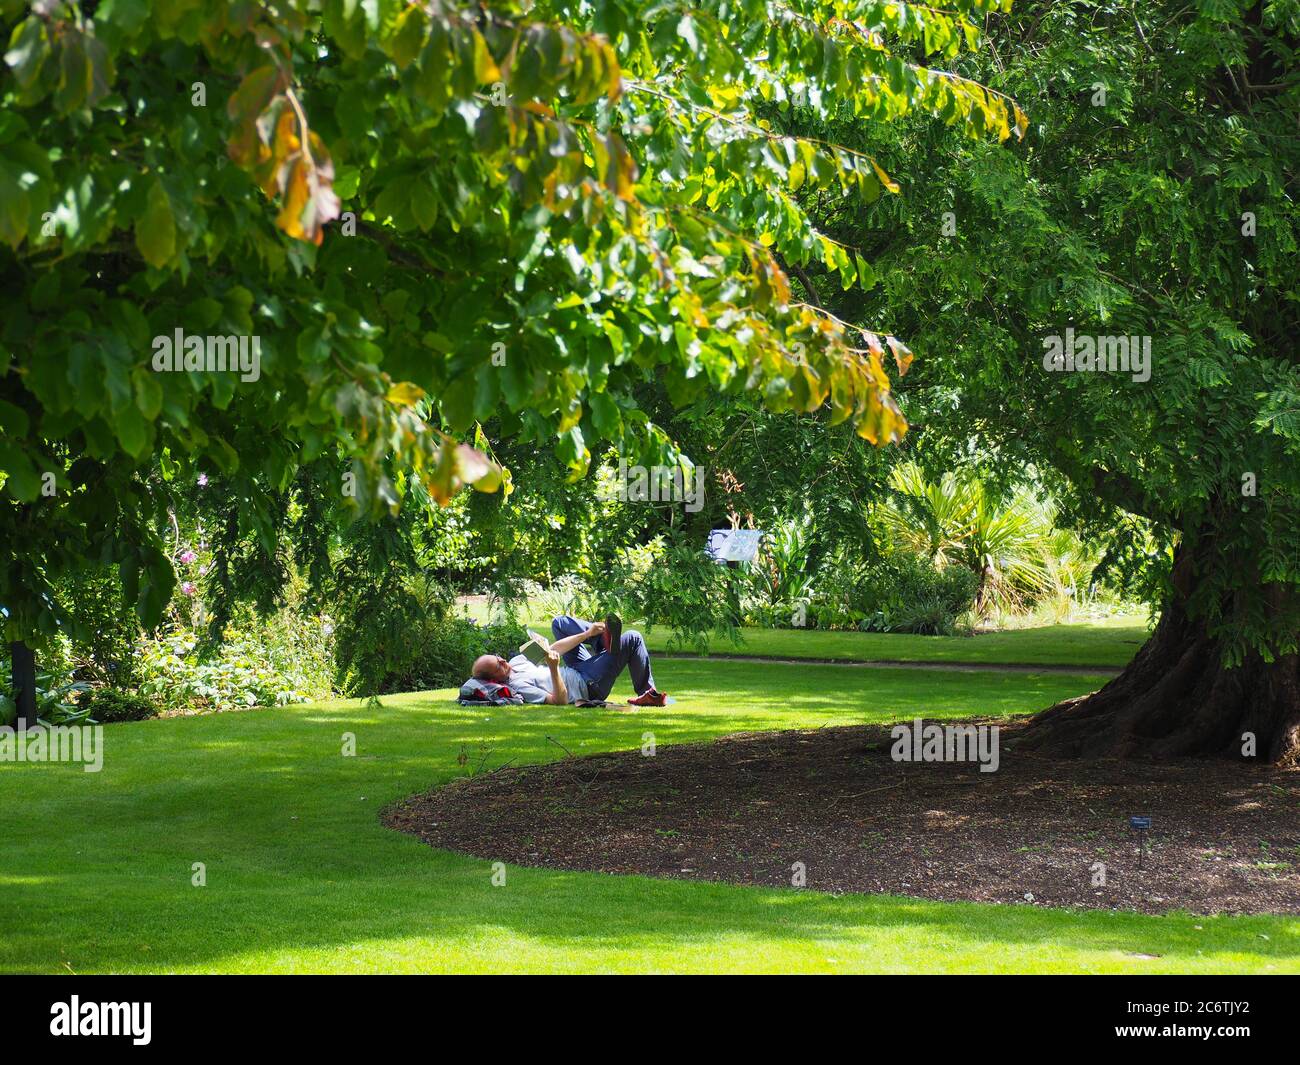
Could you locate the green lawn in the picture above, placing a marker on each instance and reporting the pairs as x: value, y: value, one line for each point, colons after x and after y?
x: 1110, y: 643
x: 95, y: 869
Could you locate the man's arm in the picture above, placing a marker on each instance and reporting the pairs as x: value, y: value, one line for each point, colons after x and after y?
x: 570, y: 642
x: 559, y: 694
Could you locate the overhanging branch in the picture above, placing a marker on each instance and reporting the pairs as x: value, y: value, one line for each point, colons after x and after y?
x: 1118, y: 489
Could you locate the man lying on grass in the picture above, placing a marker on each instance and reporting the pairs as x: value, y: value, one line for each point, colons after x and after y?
x: 585, y: 660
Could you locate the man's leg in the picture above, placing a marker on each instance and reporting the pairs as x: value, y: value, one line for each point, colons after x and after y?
x: 637, y: 656
x: 602, y: 670
x: 568, y: 625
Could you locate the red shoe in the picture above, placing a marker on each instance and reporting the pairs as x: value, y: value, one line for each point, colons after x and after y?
x: 649, y: 697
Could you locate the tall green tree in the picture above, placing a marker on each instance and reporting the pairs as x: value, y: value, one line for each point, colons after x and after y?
x: 1154, y: 198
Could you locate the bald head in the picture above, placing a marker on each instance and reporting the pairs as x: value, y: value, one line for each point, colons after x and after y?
x: 491, y: 667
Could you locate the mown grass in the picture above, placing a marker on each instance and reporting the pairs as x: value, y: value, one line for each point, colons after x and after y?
x: 1108, y: 643
x: 96, y: 869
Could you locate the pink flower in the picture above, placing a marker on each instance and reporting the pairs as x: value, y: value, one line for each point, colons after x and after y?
x: 188, y: 588
x: 188, y: 556
x: 203, y: 480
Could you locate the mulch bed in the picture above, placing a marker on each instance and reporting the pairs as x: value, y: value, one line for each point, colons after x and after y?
x: 744, y: 809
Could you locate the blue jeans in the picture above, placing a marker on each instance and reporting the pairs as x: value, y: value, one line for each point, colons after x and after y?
x: 600, y: 668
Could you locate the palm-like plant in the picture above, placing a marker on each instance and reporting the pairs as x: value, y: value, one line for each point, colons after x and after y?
x: 928, y: 518
x: 1008, y: 547
x: 955, y: 521
x: 780, y: 575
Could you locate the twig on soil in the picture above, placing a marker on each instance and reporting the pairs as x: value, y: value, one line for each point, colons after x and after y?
x: 873, y: 791
x: 560, y: 745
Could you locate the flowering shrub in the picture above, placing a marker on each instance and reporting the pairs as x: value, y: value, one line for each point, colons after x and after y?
x: 285, y: 661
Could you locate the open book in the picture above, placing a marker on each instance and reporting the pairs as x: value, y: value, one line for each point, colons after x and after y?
x: 536, y: 648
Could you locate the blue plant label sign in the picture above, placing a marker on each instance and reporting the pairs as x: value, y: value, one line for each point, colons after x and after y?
x: 1139, y: 822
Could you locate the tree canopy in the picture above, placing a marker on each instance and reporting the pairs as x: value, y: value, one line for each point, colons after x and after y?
x: 419, y: 216
x: 1152, y: 200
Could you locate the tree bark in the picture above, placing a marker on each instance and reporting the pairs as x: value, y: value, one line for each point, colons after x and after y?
x: 1177, y: 699
x: 23, y: 660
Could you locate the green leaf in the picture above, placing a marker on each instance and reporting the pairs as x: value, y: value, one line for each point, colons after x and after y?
x: 155, y: 229
x: 15, y: 207
x: 457, y: 401
x: 424, y: 204
x: 148, y: 393
x: 686, y: 31
x: 132, y: 432
x: 605, y: 414
x: 13, y: 420
x: 21, y: 480
x: 75, y: 74
x: 866, y: 275
x: 28, y: 47
x: 405, y: 44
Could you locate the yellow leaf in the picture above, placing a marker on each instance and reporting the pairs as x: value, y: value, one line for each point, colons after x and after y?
x: 902, y: 354
x: 405, y: 394
x: 1022, y: 121
x: 885, y: 179
x: 296, y: 195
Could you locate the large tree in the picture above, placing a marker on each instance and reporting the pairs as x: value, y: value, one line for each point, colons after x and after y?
x: 427, y: 214
x: 1154, y: 196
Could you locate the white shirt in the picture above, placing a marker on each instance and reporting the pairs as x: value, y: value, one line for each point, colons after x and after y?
x: 533, y: 682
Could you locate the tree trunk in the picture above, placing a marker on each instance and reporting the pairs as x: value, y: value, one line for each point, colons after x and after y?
x: 1177, y: 699
x: 24, y: 675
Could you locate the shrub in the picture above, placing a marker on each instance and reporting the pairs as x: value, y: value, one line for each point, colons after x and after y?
x: 926, y: 600
x: 104, y: 650
x: 56, y: 696
x: 611, y: 587
x: 108, y: 706
x: 686, y: 591
x: 297, y: 645
x: 177, y: 673
x: 779, y: 577
x: 404, y: 635
x: 568, y: 595
x: 439, y: 653
x: 929, y: 615
x: 900, y: 593
x: 447, y: 650
x: 670, y: 583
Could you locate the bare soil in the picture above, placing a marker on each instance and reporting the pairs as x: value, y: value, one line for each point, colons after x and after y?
x: 1225, y: 838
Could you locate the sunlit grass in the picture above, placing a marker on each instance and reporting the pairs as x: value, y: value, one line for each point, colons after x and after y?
x: 1109, y: 643
x: 96, y: 869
